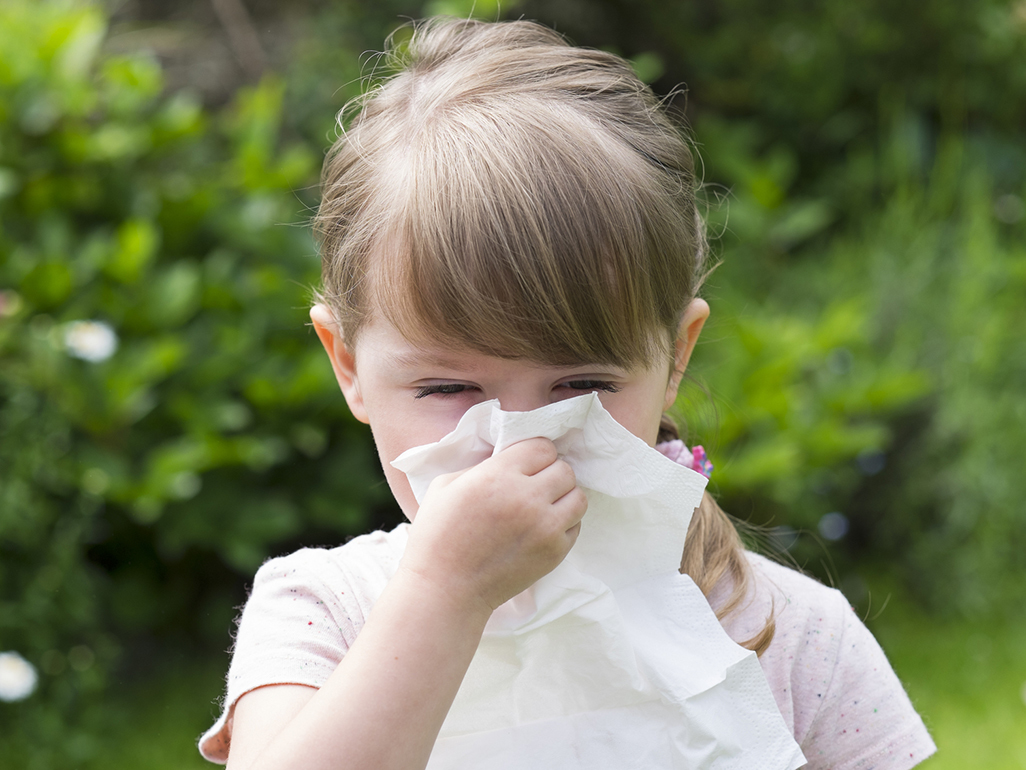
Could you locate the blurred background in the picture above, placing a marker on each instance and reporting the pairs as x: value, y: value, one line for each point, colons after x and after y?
x: 168, y: 421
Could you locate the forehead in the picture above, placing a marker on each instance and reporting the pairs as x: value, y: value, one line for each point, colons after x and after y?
x: 383, y: 348
x: 381, y: 341
x: 381, y: 344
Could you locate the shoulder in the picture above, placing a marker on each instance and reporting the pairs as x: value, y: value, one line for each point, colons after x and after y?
x: 302, y: 615
x: 809, y: 620
x: 363, y: 566
x: 369, y: 549
x: 830, y: 678
x: 313, y: 602
x: 802, y: 607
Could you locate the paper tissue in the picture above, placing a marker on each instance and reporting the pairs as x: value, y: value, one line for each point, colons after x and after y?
x: 614, y: 660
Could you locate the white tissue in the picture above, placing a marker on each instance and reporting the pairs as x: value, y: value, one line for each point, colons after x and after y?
x: 614, y: 659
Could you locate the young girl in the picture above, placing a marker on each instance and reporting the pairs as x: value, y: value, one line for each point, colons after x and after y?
x: 511, y: 218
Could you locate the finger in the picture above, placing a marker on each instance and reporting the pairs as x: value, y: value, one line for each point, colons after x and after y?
x: 570, y: 538
x: 572, y: 534
x: 556, y: 480
x: 530, y: 455
x: 444, y: 479
x: 570, y: 508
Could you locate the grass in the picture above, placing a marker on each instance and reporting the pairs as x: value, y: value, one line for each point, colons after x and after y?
x: 968, y: 680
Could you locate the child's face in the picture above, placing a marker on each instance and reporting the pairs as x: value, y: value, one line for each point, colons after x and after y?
x: 415, y: 394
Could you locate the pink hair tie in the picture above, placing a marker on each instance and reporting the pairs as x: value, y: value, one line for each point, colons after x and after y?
x: 695, y: 459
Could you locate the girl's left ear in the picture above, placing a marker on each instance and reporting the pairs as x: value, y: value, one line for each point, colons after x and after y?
x: 342, y: 359
x: 687, y: 335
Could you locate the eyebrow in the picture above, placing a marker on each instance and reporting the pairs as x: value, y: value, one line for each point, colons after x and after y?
x: 423, y: 358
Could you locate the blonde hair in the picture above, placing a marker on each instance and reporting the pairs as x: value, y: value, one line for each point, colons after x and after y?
x: 508, y: 193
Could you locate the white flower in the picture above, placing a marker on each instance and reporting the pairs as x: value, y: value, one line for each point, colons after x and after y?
x: 17, y: 677
x: 92, y: 341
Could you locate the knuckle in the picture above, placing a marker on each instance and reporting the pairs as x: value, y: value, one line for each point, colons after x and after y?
x: 544, y: 449
x: 580, y: 498
x: 485, y: 474
x: 572, y: 533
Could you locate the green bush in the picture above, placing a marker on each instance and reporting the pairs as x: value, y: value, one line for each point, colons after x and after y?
x: 810, y: 77
x: 164, y: 409
x: 880, y: 374
x: 945, y: 264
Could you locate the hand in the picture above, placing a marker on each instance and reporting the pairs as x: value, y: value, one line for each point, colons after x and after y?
x: 487, y: 533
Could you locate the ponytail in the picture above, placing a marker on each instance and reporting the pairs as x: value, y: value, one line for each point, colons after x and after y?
x: 713, y: 551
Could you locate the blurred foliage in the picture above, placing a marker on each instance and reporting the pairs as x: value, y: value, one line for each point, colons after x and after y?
x: 865, y: 177
x: 882, y: 378
x: 945, y: 264
x: 812, y: 75
x: 206, y: 430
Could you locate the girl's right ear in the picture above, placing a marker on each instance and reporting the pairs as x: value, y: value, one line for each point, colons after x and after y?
x: 342, y: 359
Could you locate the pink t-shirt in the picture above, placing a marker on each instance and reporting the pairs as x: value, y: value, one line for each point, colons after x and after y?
x: 831, y: 680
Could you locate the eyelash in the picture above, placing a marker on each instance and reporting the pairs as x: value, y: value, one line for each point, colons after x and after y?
x: 454, y: 388
x: 602, y: 385
x: 444, y: 389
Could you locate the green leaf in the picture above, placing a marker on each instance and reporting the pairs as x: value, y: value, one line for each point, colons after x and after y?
x: 47, y: 285
x: 137, y: 243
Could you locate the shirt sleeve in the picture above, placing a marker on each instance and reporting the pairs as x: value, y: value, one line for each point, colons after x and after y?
x: 293, y: 630
x: 862, y: 718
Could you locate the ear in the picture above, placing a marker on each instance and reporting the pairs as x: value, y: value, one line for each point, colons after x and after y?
x: 687, y: 335
x: 342, y: 360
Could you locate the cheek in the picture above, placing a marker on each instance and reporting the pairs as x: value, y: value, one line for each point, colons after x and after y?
x: 401, y: 491
x: 390, y: 445
x: 397, y: 428
x: 643, y: 422
x: 642, y: 411
x: 650, y: 424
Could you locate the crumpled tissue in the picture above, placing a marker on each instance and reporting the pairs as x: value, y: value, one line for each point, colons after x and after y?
x: 613, y: 660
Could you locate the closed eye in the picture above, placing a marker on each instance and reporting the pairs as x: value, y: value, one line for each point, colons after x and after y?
x: 589, y: 385
x: 441, y: 389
